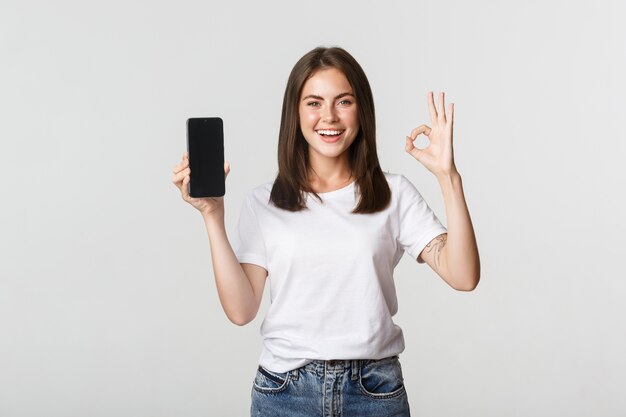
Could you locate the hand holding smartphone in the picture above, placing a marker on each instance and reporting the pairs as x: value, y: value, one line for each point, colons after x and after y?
x: 205, y: 146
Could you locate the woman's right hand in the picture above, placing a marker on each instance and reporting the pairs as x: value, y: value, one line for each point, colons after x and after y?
x: 205, y: 205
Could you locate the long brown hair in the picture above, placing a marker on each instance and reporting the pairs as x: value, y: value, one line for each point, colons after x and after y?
x: 291, y: 184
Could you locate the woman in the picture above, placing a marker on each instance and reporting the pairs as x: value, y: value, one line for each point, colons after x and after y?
x: 328, y: 231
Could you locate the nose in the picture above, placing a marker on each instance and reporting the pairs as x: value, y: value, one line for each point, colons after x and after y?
x: 330, y: 114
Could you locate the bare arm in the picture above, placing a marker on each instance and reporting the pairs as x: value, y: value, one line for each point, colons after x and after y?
x: 454, y: 255
x: 240, y: 286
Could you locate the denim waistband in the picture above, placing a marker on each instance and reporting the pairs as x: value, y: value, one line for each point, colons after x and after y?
x: 321, y: 367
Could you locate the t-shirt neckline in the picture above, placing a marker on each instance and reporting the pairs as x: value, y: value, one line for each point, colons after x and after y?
x: 338, y: 191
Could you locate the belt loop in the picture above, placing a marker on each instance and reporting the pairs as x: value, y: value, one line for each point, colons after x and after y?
x: 355, y: 369
x: 294, y: 374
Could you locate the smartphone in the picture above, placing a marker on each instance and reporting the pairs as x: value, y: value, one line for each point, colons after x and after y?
x: 205, y: 145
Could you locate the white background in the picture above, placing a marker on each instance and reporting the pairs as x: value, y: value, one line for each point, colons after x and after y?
x: 108, y: 305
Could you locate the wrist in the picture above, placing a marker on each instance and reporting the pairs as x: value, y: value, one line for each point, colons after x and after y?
x: 213, y: 216
x: 452, y: 175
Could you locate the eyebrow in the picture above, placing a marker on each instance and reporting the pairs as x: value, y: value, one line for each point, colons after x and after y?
x: 321, y: 98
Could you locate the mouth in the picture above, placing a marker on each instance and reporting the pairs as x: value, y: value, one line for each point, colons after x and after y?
x: 330, y: 135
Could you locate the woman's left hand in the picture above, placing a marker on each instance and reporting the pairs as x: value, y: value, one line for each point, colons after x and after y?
x: 438, y: 156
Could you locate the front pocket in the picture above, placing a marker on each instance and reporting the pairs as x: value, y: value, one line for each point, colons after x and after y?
x: 270, y: 382
x: 382, y: 378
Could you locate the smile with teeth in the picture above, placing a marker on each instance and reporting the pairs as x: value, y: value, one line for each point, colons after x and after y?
x: 329, y: 132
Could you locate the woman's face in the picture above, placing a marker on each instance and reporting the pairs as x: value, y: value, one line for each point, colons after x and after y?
x: 328, y: 113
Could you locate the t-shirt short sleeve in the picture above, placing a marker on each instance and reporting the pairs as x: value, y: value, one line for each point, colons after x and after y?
x: 418, y: 224
x: 249, y: 246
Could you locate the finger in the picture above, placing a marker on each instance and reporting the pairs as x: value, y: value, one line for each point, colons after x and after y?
x: 185, y: 188
x: 411, y: 149
x: 442, y: 108
x: 226, y: 169
x: 419, y: 130
x: 409, y: 144
x: 431, y: 107
x: 178, y: 177
x: 451, y: 114
x: 183, y: 164
x: 186, y: 155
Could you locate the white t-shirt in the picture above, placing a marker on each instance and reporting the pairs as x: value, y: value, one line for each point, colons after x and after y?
x: 331, y: 272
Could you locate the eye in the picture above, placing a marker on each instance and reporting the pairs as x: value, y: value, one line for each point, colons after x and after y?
x: 345, y: 102
x: 313, y: 103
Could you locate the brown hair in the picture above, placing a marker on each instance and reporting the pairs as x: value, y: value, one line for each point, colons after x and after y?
x: 291, y: 184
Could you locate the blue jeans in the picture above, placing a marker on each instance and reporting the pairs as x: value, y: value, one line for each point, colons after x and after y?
x: 345, y: 388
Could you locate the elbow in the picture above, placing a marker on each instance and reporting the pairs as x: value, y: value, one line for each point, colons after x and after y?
x: 467, y: 284
x: 467, y: 287
x: 467, y: 279
x: 240, y: 320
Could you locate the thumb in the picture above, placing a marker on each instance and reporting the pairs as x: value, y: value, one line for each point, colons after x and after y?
x: 411, y: 149
x: 185, y: 188
x: 226, y: 169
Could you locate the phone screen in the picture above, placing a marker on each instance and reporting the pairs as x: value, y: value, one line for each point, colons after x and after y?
x: 205, y: 144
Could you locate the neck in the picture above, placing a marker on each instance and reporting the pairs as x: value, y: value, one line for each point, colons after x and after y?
x: 329, y: 173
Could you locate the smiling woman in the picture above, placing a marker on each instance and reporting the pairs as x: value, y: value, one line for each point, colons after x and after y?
x: 328, y: 133
x: 329, y: 123
x: 328, y: 233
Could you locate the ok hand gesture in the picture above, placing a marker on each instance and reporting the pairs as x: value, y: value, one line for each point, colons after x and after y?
x: 438, y: 156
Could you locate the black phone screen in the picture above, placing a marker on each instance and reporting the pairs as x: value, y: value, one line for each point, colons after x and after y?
x: 205, y: 144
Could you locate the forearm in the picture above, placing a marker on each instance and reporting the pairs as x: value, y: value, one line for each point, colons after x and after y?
x: 461, y: 250
x: 233, y: 286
